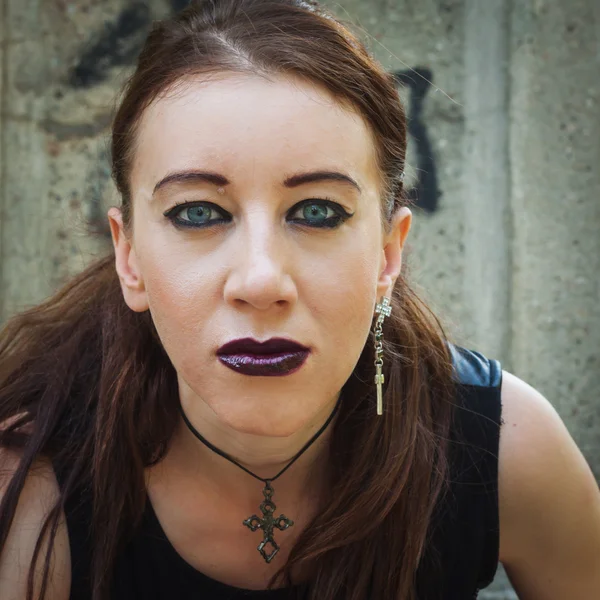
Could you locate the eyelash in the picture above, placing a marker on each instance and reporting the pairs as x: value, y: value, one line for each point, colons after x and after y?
x: 341, y: 215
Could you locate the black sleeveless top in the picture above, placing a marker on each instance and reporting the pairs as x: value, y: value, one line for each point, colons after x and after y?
x: 465, y: 540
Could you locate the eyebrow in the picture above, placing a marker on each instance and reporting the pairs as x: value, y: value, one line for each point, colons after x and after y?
x: 318, y: 176
x: 290, y: 182
x: 186, y: 176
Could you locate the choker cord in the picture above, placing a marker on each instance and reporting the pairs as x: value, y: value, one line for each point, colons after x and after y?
x: 268, y: 522
x: 229, y: 458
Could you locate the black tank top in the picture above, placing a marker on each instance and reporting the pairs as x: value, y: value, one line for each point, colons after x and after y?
x: 464, y: 544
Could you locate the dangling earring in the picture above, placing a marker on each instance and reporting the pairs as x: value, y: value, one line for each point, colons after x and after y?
x: 383, y: 309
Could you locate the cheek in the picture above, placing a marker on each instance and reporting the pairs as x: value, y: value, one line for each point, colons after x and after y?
x: 342, y: 297
x: 181, y: 294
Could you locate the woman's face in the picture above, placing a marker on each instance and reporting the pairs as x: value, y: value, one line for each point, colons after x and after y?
x: 264, y: 246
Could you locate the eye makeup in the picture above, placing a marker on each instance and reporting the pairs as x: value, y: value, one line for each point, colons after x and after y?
x: 317, y: 213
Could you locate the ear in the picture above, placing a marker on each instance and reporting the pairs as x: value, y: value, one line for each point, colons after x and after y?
x: 393, y: 243
x: 132, y: 283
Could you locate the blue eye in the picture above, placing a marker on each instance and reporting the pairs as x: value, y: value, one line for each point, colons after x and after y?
x: 308, y: 213
x: 197, y: 214
x: 319, y: 213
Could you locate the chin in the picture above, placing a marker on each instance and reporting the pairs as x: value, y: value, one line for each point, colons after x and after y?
x: 258, y: 417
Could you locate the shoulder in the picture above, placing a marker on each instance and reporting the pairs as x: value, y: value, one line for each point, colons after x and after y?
x: 549, y: 501
x: 38, y: 496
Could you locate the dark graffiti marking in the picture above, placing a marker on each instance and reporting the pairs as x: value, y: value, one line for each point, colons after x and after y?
x: 118, y: 45
x: 425, y: 194
x: 177, y: 5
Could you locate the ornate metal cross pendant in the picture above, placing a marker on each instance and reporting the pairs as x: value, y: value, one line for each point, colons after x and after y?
x: 267, y: 523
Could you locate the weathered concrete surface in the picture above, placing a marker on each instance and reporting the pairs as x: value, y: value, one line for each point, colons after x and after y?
x: 64, y: 63
x: 43, y: 177
x: 486, y: 199
x: 555, y: 174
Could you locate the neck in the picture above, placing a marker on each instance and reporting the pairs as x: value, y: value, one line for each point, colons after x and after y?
x: 265, y: 456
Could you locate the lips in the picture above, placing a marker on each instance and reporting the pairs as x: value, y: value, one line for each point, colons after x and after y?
x: 276, y: 356
x: 251, y: 346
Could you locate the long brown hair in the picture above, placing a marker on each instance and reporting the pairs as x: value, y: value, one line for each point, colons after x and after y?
x: 85, y: 382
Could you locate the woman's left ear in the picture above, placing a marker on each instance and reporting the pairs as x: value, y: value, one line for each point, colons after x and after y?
x: 393, y: 245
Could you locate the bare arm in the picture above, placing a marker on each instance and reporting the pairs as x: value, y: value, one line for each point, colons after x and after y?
x: 37, y: 498
x: 549, y: 502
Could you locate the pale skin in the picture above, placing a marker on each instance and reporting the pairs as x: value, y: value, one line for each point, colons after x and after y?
x: 261, y: 275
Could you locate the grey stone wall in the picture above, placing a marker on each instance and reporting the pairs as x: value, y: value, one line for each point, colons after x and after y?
x: 504, y: 106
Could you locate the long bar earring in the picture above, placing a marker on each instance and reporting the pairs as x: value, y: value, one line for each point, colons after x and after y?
x: 383, y: 309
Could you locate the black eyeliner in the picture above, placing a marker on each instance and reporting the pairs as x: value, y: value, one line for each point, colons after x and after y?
x: 181, y: 224
x: 340, y: 217
x: 341, y: 214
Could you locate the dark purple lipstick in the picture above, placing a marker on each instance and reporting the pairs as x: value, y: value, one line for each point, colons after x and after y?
x: 276, y: 356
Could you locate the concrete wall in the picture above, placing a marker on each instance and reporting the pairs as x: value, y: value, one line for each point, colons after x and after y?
x: 504, y: 101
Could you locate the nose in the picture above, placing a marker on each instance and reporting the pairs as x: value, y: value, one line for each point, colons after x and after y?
x: 260, y: 276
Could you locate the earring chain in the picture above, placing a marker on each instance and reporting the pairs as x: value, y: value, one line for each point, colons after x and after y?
x: 383, y: 309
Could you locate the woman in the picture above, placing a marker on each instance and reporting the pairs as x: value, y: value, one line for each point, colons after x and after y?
x: 248, y: 394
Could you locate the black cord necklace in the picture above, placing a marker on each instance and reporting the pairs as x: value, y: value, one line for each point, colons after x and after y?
x: 268, y: 508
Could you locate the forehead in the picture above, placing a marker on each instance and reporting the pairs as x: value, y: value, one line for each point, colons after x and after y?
x: 244, y: 122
